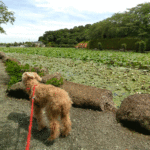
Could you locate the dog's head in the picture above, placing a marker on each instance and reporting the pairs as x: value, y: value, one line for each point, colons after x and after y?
x: 29, y: 76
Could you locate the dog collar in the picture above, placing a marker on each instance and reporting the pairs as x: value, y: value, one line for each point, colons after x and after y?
x: 29, y: 88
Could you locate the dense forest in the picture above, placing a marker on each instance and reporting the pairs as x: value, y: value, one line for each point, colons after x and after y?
x: 67, y: 36
x: 134, y: 22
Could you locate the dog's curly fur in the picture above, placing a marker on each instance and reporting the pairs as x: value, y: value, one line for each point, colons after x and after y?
x: 56, y: 102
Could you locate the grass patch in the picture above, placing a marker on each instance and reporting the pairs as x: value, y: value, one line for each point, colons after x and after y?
x: 55, y: 82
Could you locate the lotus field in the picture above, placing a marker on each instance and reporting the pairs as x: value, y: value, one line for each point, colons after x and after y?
x: 124, y: 73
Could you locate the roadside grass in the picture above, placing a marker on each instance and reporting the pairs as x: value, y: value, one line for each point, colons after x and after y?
x: 124, y: 73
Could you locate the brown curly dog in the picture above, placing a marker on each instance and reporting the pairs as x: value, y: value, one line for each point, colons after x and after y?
x: 56, y: 102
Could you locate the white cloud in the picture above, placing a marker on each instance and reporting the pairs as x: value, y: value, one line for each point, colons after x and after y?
x: 91, y: 6
x: 59, y: 23
x: 32, y: 32
x: 22, y: 33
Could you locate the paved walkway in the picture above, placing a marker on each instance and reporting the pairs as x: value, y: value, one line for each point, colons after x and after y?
x: 91, y: 130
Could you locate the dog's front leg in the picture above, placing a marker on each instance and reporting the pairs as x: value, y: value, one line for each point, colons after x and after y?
x: 38, y: 115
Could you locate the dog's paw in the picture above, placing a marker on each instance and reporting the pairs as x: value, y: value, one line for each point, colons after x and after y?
x: 48, y: 143
x: 50, y: 139
x: 64, y: 134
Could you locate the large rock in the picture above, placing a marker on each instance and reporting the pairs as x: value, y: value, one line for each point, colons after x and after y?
x: 90, y: 97
x: 2, y: 55
x: 18, y: 90
x: 86, y: 96
x: 135, y: 109
x: 6, y: 58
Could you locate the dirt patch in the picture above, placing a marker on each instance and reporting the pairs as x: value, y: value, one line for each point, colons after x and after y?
x: 91, y: 130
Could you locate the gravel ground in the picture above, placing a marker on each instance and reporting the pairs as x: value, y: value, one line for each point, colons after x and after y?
x: 91, y: 130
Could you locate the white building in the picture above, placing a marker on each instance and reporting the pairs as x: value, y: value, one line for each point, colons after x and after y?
x: 39, y: 43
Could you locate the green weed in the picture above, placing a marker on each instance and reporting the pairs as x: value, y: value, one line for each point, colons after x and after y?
x: 55, y: 81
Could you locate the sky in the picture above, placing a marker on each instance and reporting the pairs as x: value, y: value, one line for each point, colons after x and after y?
x: 34, y: 17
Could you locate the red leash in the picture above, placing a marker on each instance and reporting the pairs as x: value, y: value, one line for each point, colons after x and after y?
x: 31, y: 118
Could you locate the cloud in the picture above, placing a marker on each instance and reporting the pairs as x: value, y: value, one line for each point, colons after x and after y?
x: 88, y: 6
x: 32, y: 32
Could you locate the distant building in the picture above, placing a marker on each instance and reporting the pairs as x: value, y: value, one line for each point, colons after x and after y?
x: 22, y: 46
x: 39, y: 43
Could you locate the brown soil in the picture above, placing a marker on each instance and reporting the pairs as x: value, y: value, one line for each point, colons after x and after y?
x: 91, y: 130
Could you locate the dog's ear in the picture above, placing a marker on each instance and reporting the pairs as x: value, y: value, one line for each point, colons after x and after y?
x: 30, y: 75
x: 24, y: 74
x: 37, y: 77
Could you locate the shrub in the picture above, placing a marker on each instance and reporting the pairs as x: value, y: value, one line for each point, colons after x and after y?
x: 124, y: 46
x: 14, y: 70
x: 49, y: 44
x: 41, y: 74
x: 56, y: 45
x: 100, y: 46
x: 13, y: 80
x: 88, y: 45
x: 55, y: 81
x: 67, y: 45
x: 71, y: 45
x: 7, y: 45
x: 26, y: 67
x: 28, y: 44
x: 63, y: 45
x: 142, y: 47
x: 33, y: 45
x: 12, y: 67
x: 52, y: 44
x: 33, y: 70
x: 147, y: 44
x: 137, y: 46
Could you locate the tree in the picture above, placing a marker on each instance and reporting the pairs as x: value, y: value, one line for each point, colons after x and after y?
x: 5, y: 16
x: 132, y: 23
x: 40, y: 38
x: 58, y: 40
x: 141, y: 18
x: 15, y: 44
x: 72, y: 41
x: 50, y: 38
x: 87, y: 26
x: 29, y: 44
